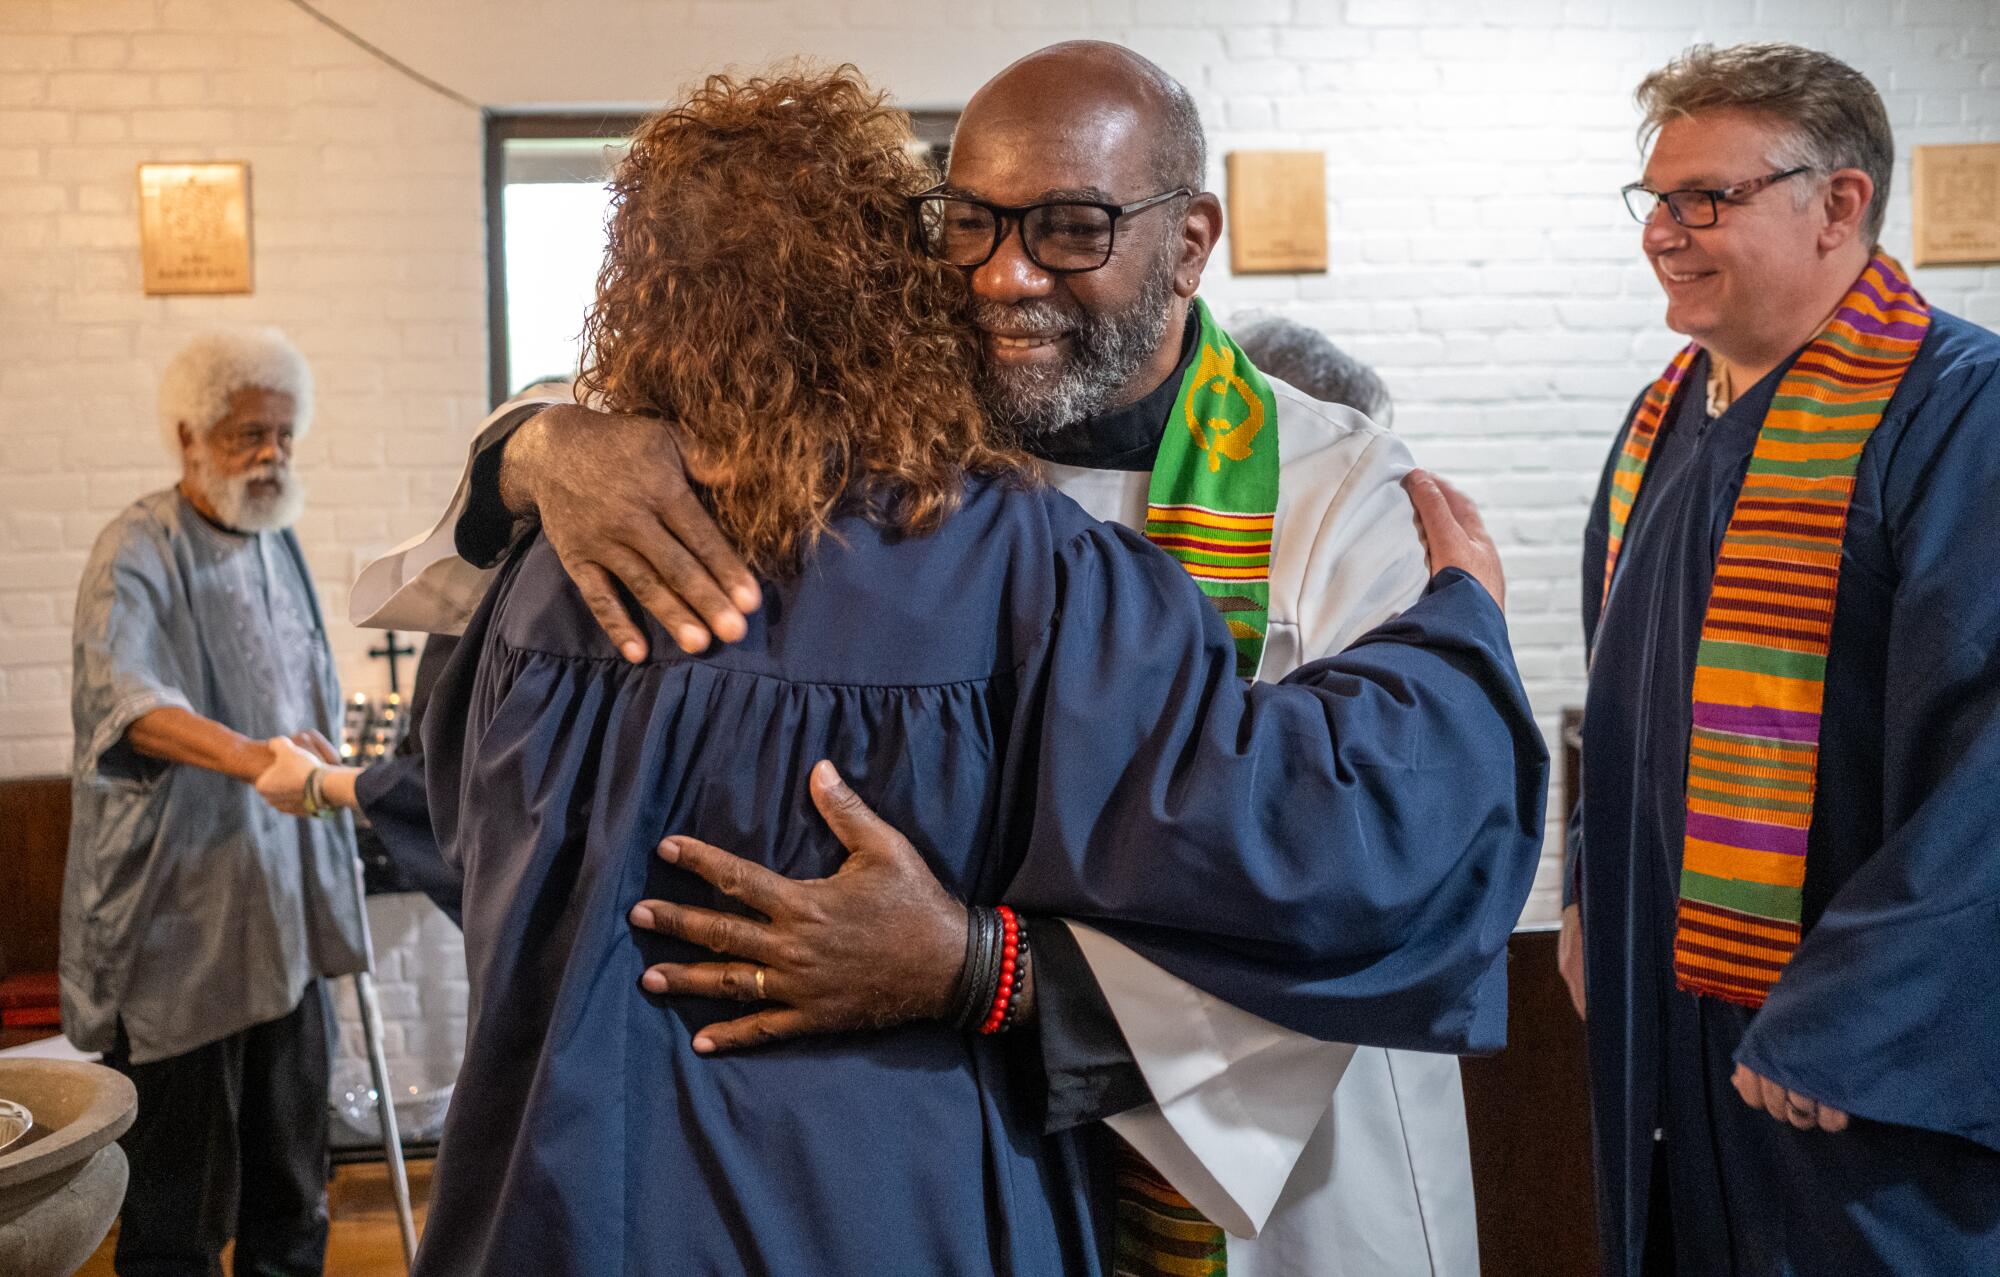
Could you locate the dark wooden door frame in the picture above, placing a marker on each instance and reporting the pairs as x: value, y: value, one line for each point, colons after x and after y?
x: 501, y: 128
x: 932, y: 127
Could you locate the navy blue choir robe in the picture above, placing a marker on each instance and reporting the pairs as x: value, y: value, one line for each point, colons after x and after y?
x: 1890, y: 1009
x: 1047, y: 707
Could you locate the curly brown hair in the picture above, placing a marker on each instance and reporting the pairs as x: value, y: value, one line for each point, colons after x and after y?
x: 764, y: 290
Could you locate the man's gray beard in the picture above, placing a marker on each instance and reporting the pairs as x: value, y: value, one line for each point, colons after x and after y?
x: 1105, y: 353
x: 236, y: 507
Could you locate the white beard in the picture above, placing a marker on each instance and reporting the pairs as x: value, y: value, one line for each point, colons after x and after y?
x: 237, y: 507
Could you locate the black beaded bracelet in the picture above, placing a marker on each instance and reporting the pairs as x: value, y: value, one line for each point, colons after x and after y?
x: 1021, y: 960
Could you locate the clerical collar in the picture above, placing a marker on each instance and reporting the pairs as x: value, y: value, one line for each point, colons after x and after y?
x: 1125, y: 438
x: 1720, y: 393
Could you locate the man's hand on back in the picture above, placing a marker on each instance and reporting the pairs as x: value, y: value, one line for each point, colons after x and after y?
x: 879, y: 943
x: 1453, y: 533
x: 612, y: 494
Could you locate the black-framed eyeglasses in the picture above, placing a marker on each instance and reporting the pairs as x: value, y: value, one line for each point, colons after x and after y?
x: 1062, y: 237
x: 1693, y: 207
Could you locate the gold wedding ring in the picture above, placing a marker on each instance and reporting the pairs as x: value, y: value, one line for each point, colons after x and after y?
x: 760, y: 984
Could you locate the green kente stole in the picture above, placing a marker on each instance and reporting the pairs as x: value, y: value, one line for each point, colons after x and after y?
x: 1760, y: 672
x: 1214, y: 488
x: 1210, y: 505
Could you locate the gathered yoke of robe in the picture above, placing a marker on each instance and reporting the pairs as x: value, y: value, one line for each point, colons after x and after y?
x: 1048, y: 708
x: 1887, y: 1010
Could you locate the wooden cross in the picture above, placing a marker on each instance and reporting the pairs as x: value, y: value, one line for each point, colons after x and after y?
x: 390, y: 650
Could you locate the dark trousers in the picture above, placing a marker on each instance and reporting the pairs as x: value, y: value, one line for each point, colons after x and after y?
x: 230, y: 1140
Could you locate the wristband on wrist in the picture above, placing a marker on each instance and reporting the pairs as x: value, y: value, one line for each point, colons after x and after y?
x: 315, y: 794
x: 961, y: 992
x: 987, y: 997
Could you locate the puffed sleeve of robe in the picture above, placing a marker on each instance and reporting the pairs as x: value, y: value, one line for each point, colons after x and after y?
x: 392, y: 796
x: 1228, y: 1101
x: 1343, y: 854
x: 127, y: 664
x: 1888, y: 1009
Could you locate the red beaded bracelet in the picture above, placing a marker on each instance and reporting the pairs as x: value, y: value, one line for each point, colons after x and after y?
x: 1010, y: 951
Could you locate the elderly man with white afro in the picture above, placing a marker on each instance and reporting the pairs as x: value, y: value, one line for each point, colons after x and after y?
x: 200, y: 653
x: 232, y: 406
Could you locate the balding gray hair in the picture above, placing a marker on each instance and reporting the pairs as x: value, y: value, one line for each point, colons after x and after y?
x: 1180, y: 154
x: 1291, y: 352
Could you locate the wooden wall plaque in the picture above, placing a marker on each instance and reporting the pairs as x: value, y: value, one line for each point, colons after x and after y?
x: 1955, y: 204
x: 1277, y: 211
x: 194, y: 228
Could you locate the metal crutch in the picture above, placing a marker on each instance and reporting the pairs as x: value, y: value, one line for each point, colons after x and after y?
x: 378, y: 1068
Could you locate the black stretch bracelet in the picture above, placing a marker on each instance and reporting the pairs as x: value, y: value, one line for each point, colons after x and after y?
x: 1013, y: 1015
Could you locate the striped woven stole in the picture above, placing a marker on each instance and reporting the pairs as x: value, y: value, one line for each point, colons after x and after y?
x: 1159, y: 1234
x: 1760, y: 671
x: 1211, y: 503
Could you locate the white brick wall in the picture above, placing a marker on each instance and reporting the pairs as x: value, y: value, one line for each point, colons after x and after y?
x: 1480, y: 257
x: 420, y: 984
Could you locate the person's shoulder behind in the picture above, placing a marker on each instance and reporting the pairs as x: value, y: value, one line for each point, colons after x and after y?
x: 1332, y: 454
x: 1318, y: 422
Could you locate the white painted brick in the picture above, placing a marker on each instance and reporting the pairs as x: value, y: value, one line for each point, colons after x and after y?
x: 102, y: 126
x: 120, y: 16
x: 38, y: 683
x: 38, y: 52
x: 184, y: 125
x: 28, y: 611
x: 181, y: 51
x: 35, y: 531
x: 99, y: 89
x: 28, y: 128
x: 25, y: 15
x: 85, y: 230
x: 204, y: 16
x: 23, y: 89
x: 99, y: 52
x: 29, y: 454
x: 180, y: 88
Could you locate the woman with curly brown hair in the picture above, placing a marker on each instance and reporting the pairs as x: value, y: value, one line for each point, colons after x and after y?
x: 1047, y: 705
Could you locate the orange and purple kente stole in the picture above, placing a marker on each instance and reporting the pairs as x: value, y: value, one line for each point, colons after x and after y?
x: 1760, y: 672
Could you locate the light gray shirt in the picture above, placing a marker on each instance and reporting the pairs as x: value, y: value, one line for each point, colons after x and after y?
x: 191, y: 909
